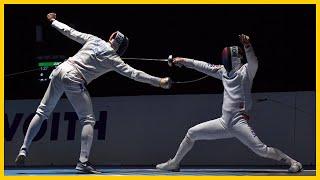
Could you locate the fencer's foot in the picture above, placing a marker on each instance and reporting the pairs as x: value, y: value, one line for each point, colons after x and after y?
x: 169, y: 166
x: 21, y: 158
x: 86, y: 167
x: 295, y: 167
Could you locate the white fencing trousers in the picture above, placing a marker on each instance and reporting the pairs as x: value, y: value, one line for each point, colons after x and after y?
x: 65, y: 78
x: 219, y: 129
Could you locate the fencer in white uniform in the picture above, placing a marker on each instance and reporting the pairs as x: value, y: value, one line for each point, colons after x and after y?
x: 237, y: 81
x: 96, y: 57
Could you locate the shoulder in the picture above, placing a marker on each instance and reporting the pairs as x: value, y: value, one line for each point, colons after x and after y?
x: 245, y: 66
x: 96, y: 41
x: 243, y: 69
x: 93, y: 38
x: 245, y: 72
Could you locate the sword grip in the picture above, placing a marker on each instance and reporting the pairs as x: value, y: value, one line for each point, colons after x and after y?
x: 170, y: 60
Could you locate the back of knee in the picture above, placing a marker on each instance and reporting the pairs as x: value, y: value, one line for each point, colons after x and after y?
x: 89, y: 119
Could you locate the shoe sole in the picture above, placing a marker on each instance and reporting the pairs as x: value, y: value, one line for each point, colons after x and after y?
x: 87, y: 172
x: 175, y: 170
x: 172, y: 170
x: 20, y: 160
x: 300, y: 170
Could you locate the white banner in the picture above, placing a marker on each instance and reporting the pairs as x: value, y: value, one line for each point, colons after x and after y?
x: 146, y: 130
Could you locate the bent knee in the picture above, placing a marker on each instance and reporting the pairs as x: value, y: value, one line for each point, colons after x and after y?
x: 192, y: 134
x: 43, y: 111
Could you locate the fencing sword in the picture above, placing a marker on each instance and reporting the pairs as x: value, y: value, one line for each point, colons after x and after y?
x: 21, y: 72
x: 168, y: 60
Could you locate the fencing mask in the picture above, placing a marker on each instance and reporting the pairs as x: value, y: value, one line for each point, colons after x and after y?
x: 231, y: 58
x: 119, y: 42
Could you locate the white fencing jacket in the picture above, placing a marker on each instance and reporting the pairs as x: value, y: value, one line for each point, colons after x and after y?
x: 237, y: 87
x: 97, y: 57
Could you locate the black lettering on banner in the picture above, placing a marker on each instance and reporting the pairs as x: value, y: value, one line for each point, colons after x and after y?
x: 72, y: 118
x: 9, y: 131
x: 21, y: 120
x: 101, y: 125
x: 55, y: 126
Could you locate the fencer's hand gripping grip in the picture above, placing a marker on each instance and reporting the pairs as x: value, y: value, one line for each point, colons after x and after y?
x: 166, y: 83
x: 170, y: 62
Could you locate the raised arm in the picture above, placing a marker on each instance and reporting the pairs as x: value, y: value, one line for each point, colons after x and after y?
x: 215, y: 71
x: 126, y: 70
x: 67, y: 30
x: 251, y: 57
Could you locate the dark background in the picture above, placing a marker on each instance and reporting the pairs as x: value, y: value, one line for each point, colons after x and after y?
x: 283, y: 37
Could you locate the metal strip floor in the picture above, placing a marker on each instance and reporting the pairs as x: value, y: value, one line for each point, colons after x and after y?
x: 69, y: 171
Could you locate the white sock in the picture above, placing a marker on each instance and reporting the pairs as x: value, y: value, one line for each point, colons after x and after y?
x: 86, y: 141
x: 185, y: 146
x: 32, y: 131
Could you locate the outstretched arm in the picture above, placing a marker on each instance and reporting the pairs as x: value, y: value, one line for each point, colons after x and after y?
x: 204, y: 67
x: 68, y: 31
x: 251, y: 57
x: 137, y: 75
